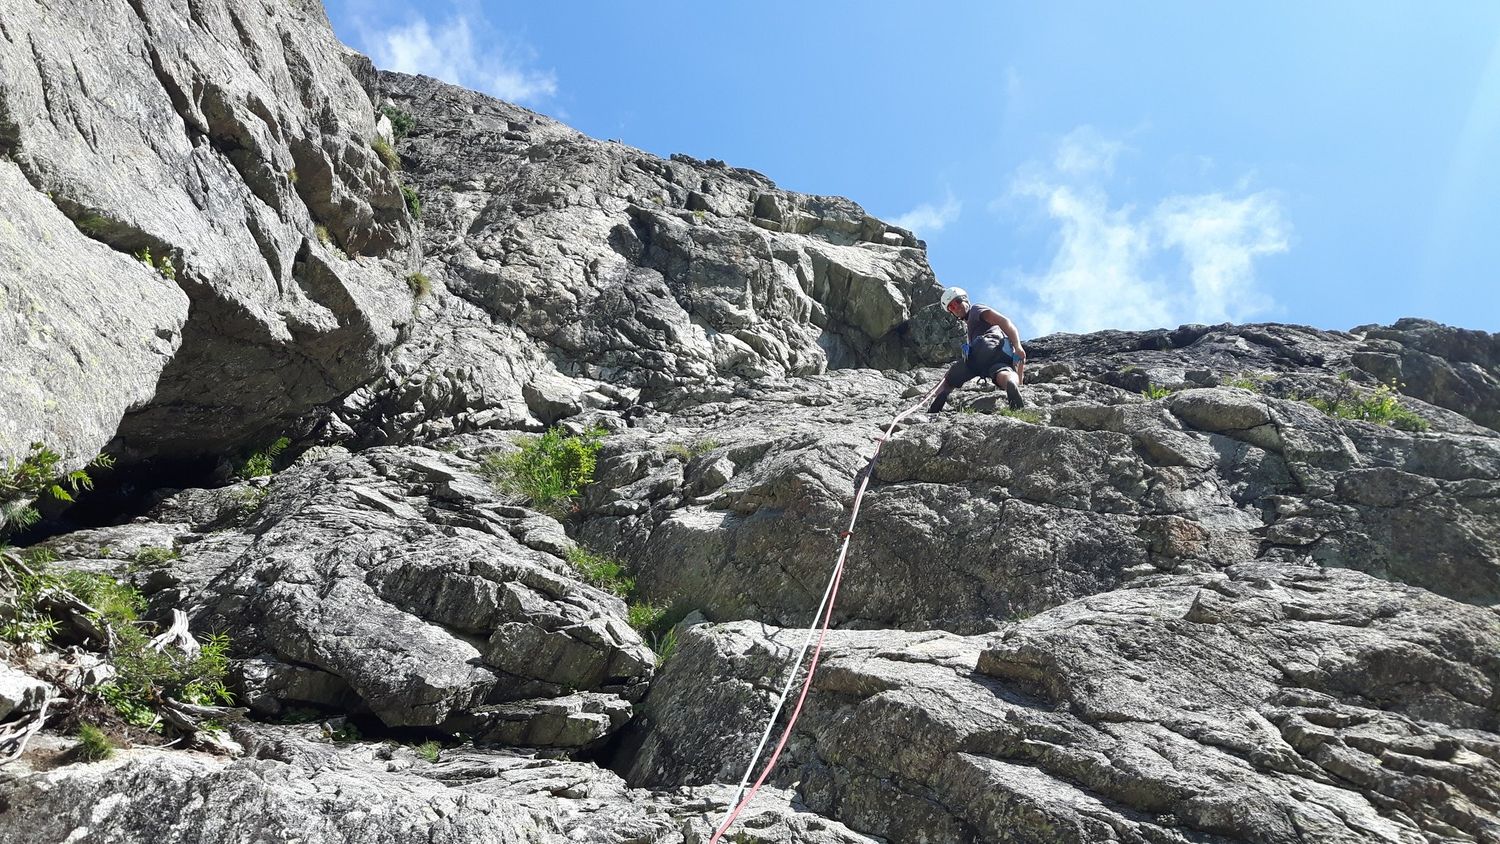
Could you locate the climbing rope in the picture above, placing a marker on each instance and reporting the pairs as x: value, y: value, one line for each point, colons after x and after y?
x: 825, y: 612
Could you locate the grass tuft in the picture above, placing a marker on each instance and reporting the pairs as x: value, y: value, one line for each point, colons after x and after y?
x: 93, y: 744
x: 387, y: 155
x: 601, y: 571
x: 551, y: 470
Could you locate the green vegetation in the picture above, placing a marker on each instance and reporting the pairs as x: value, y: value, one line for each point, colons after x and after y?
x: 413, y: 202
x: 1255, y: 382
x: 93, y: 744
x: 251, y: 498
x: 37, y: 476
x: 1156, y: 391
x: 26, y: 585
x: 429, y: 750
x: 144, y: 676
x: 420, y: 284
x: 147, y: 676
x: 387, y: 155
x: 401, y: 122
x: 262, y: 464
x: 114, y: 602
x: 320, y: 231
x: 645, y: 616
x: 291, y: 176
x: 1380, y: 405
x: 550, y: 470
x: 665, y: 645
x: 698, y: 216
x: 163, y: 266
x: 92, y: 224
x: 687, y: 451
x: 154, y: 556
x: 1025, y: 414
x: 601, y: 571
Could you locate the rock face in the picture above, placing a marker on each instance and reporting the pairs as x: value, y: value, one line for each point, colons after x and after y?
x: 975, y: 518
x: 1270, y: 702
x: 636, y: 278
x: 231, y: 140
x: 306, y: 790
x: 397, y: 583
x: 1209, y: 613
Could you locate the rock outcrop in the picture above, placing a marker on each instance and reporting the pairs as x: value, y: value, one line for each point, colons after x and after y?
x: 1173, y: 601
x: 1269, y: 702
x: 230, y: 141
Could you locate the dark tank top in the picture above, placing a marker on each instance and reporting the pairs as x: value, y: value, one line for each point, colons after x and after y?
x: 982, y: 332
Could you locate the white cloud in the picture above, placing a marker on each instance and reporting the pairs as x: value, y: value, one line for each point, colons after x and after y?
x: 930, y: 219
x: 1084, y: 152
x: 1189, y: 258
x: 1220, y: 239
x: 449, y: 52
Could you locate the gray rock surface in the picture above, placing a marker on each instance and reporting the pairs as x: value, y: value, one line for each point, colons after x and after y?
x: 221, y: 137
x: 974, y: 518
x: 395, y: 582
x: 632, y: 277
x: 1218, y: 615
x: 308, y: 790
x: 20, y: 693
x: 1266, y: 703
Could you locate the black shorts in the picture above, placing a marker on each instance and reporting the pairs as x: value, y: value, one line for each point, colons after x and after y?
x: 985, y: 361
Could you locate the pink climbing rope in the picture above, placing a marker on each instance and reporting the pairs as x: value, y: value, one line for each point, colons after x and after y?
x: 825, y: 612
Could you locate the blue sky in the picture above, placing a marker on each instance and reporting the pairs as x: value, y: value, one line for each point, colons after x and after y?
x: 1081, y: 165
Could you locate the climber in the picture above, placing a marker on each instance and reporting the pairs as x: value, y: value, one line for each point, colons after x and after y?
x: 992, y: 350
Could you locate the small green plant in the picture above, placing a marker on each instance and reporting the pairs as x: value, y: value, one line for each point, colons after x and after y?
x: 645, y: 616
x: 550, y: 470
x: 401, y: 122
x: 154, y: 556
x: 25, y: 584
x: 262, y: 464
x: 320, y: 231
x: 37, y: 476
x: 146, y: 676
x: 1255, y: 382
x: 291, y: 176
x: 163, y: 266
x: 1025, y: 414
x: 130, y: 710
x: 429, y: 750
x: 93, y: 744
x: 1156, y: 391
x: 252, y: 498
x: 665, y: 645
x: 413, y: 202
x: 387, y: 155
x: 420, y: 285
x: 93, y: 224
x: 114, y: 602
x: 699, y: 215
x: 1380, y: 405
x: 693, y: 448
x: 601, y: 571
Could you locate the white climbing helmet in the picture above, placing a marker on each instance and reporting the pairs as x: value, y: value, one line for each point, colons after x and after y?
x: 953, y: 293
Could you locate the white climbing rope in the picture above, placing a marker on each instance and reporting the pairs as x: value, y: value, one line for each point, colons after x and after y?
x: 825, y: 612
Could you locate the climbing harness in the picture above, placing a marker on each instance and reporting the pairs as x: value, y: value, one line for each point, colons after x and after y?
x: 825, y: 612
